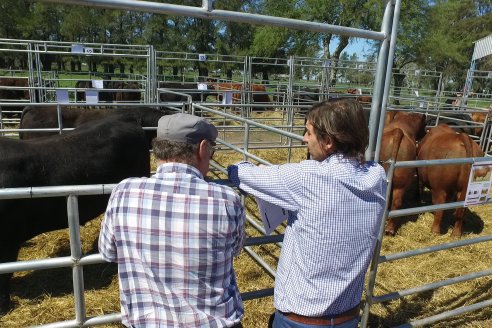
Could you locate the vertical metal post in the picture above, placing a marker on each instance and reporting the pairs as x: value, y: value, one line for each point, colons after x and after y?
x: 246, y: 140
x: 152, y: 84
x: 30, y: 80
x: 468, y: 84
x: 376, y: 123
x: 76, y: 254
x: 60, y: 118
x: 439, y: 88
x: 207, y: 5
x: 377, y: 251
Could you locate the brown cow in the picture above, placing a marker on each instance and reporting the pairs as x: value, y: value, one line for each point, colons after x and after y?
x: 449, y: 182
x: 399, y: 143
x: 479, y: 117
x: 20, y: 84
x: 480, y: 173
x: 258, y: 91
x: 363, y: 99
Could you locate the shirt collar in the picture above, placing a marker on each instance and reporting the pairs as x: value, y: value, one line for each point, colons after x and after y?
x: 178, y: 168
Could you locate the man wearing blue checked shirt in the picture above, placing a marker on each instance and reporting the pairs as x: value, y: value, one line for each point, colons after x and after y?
x: 336, y: 202
x: 174, y: 235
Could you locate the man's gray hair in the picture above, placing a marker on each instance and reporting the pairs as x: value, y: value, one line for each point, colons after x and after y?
x: 168, y: 150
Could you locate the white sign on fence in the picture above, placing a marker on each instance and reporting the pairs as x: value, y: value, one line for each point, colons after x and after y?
x: 478, y: 191
x: 98, y: 84
x: 62, y: 96
x: 91, y: 96
x: 227, y: 98
x: 77, y: 49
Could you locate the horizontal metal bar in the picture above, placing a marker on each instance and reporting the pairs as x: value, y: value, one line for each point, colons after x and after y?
x: 250, y: 122
x: 447, y: 161
x: 440, y: 247
x: 247, y: 296
x: 254, y: 241
x: 435, y: 285
x: 55, y: 191
x: 90, y: 322
x: 429, y: 208
x: 225, y: 15
x: 447, y: 314
x: 260, y: 261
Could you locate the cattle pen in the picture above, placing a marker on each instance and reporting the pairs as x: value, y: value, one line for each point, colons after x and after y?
x: 247, y: 136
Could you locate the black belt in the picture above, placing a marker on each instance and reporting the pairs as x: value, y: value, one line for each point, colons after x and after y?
x: 324, y: 320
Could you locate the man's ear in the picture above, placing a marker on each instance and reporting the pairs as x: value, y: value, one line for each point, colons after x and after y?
x: 202, y: 152
x: 328, y: 146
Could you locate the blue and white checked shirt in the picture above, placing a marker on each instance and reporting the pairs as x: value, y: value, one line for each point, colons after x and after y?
x: 335, y: 209
x: 174, y: 237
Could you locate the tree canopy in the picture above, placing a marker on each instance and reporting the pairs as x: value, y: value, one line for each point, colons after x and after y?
x: 435, y: 35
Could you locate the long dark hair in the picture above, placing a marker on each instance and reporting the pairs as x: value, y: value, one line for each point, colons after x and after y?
x: 344, y: 122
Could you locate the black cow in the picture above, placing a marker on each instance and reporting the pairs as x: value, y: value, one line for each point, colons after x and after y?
x: 110, y: 96
x: 13, y: 89
x: 47, y: 117
x: 102, y: 152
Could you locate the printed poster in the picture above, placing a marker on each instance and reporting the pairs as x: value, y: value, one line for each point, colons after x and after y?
x: 478, y: 191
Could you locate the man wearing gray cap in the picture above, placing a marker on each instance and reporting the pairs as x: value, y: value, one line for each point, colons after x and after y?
x: 174, y: 235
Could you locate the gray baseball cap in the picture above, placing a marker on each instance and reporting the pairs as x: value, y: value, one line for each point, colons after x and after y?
x: 185, y: 128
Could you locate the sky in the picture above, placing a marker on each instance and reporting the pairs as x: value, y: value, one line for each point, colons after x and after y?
x: 357, y: 45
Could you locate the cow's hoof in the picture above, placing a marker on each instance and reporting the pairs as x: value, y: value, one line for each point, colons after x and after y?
x: 456, y: 235
x: 5, y: 305
x: 436, y: 231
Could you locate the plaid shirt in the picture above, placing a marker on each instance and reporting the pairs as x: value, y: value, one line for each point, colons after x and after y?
x: 174, y: 237
x: 335, y: 210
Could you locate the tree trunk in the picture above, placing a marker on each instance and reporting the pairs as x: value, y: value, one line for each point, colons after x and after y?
x: 344, y: 40
x: 398, y: 77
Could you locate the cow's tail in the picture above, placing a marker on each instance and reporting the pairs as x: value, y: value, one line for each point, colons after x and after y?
x: 25, y: 111
x: 466, y: 168
x: 398, y: 137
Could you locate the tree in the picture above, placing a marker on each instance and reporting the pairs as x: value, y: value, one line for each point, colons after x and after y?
x: 452, y: 28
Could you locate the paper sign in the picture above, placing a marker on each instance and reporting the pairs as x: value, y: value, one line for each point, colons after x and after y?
x: 98, y: 84
x: 202, y: 86
x: 227, y: 98
x: 416, y: 93
x: 326, y: 63
x: 77, y: 49
x: 478, y: 191
x: 423, y: 104
x: 202, y: 57
x: 91, y: 96
x: 271, y: 215
x: 89, y: 51
x: 62, y: 96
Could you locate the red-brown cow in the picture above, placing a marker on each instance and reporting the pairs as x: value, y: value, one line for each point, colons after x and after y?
x: 363, y: 99
x: 479, y: 117
x: 258, y: 91
x: 399, y: 143
x: 449, y: 182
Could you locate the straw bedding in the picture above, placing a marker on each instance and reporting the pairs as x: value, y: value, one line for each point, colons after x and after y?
x: 45, y: 296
